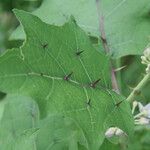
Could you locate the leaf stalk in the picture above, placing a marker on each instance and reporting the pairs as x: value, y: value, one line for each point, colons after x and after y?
x: 138, y: 88
x: 105, y: 45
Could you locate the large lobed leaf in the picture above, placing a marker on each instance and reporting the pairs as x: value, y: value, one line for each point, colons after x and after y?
x: 126, y: 22
x: 40, y: 69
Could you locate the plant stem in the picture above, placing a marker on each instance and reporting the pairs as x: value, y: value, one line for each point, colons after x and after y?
x: 105, y: 45
x: 138, y: 88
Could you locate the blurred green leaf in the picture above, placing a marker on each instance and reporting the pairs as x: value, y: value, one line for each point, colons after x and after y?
x: 126, y: 22
x: 21, y: 128
x: 107, y: 145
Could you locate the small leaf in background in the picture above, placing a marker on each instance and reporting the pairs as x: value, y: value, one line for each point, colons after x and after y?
x: 20, y: 114
x: 21, y: 128
x: 108, y: 145
x: 126, y: 22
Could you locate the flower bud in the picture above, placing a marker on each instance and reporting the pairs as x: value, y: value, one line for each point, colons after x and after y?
x: 119, y: 132
x: 113, y: 131
x: 110, y: 132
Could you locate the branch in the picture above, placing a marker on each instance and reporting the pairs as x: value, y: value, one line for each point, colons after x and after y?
x: 105, y: 45
x: 138, y: 88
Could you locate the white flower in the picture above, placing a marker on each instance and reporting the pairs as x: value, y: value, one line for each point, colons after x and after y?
x: 147, y: 53
x: 143, y: 118
x: 142, y: 121
x: 146, y: 59
x: 144, y: 110
x: 113, y: 131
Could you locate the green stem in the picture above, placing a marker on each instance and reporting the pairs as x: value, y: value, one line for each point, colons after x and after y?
x: 138, y: 88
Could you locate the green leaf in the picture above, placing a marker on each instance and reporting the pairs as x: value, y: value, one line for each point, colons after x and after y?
x: 20, y: 113
x: 108, y: 145
x: 141, y: 140
x: 48, y: 69
x: 21, y: 128
x: 126, y: 22
x: 57, y: 132
x: 2, y: 103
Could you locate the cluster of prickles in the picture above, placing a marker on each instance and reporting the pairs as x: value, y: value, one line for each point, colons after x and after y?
x: 146, y: 59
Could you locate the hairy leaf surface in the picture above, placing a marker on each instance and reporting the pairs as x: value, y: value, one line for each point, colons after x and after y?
x: 58, y: 67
